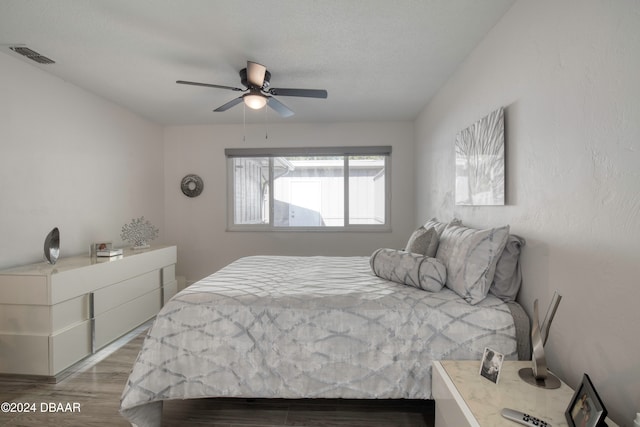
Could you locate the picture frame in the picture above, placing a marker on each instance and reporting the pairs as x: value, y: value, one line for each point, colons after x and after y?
x: 480, y: 162
x: 100, y: 246
x: 586, y: 408
x: 491, y: 365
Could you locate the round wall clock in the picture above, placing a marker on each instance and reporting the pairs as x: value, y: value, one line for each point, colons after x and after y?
x: 192, y: 185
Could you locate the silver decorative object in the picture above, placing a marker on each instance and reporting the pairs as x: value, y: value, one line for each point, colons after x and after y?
x: 538, y: 374
x: 52, y: 246
x: 139, y: 233
x: 192, y: 185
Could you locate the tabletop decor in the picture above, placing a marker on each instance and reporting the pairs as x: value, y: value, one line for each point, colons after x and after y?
x: 491, y: 364
x: 586, y: 407
x: 52, y: 246
x: 538, y: 375
x: 139, y: 232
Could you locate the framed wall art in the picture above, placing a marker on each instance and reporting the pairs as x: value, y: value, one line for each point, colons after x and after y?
x: 480, y: 162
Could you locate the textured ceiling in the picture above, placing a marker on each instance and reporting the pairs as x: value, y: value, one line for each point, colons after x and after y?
x: 378, y: 59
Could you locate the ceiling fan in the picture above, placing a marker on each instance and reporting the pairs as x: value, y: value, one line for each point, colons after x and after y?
x: 255, y: 78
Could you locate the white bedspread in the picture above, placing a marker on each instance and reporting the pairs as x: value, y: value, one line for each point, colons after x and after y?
x: 306, y: 327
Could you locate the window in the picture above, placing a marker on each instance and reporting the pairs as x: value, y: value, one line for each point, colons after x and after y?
x: 328, y: 188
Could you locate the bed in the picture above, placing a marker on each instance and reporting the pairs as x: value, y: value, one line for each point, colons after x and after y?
x: 310, y: 327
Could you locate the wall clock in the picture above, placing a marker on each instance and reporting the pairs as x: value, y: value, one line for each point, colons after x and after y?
x: 192, y: 185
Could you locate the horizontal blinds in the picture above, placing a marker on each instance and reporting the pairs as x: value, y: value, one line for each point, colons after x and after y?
x: 381, y: 150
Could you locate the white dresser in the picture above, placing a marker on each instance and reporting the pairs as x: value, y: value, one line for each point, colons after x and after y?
x: 52, y: 316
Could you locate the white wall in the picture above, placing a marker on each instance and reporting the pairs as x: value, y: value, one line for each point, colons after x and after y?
x: 198, y: 225
x: 567, y: 73
x: 71, y: 160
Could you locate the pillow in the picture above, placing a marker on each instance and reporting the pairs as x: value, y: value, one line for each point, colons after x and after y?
x: 470, y: 257
x: 423, y: 241
x: 508, y: 276
x: 410, y: 269
x: 440, y: 226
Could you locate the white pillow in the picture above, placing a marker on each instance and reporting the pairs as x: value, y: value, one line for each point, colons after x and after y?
x: 440, y: 226
x: 470, y: 257
x: 423, y: 241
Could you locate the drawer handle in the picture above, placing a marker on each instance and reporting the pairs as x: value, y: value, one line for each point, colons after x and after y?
x: 92, y: 320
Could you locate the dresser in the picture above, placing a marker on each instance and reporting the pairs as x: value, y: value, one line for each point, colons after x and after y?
x: 52, y: 316
x: 465, y: 399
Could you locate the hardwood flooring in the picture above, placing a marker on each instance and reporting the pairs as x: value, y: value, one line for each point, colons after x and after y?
x: 96, y: 387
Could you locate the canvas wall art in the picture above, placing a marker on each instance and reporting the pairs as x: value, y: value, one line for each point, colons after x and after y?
x: 480, y: 162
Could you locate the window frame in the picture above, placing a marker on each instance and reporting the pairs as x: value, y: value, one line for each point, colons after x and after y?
x: 271, y: 153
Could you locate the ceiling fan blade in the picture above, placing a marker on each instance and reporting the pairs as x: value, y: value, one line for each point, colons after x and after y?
x: 306, y: 93
x: 183, y: 82
x: 255, y: 74
x: 229, y: 104
x: 280, y: 108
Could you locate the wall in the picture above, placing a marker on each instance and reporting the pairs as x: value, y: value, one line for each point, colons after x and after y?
x: 71, y: 160
x: 567, y: 74
x: 198, y: 225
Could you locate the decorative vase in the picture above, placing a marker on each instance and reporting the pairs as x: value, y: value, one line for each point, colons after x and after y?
x: 52, y: 246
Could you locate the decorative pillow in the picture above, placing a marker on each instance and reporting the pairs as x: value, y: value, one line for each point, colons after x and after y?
x: 440, y: 226
x: 423, y: 241
x: 470, y: 257
x: 508, y: 276
x: 414, y: 270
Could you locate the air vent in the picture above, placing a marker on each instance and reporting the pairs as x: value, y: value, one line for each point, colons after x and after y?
x: 31, y: 54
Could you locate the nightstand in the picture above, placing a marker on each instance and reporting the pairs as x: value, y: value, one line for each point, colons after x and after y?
x: 465, y: 399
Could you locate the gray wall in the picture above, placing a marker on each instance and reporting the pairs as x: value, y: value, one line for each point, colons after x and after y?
x: 71, y: 160
x: 567, y: 74
x: 198, y: 225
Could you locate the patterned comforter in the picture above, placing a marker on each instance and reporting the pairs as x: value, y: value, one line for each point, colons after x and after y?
x: 306, y: 327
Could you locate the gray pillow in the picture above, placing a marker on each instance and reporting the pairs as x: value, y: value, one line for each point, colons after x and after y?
x: 508, y: 276
x: 470, y: 257
x: 423, y: 241
x: 410, y: 269
x: 440, y: 226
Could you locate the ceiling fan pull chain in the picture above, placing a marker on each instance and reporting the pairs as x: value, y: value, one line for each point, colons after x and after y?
x: 266, y: 129
x: 244, y: 123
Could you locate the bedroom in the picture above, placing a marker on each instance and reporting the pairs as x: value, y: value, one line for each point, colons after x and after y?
x: 565, y: 73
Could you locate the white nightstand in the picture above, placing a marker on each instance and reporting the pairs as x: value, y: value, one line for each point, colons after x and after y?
x: 465, y: 399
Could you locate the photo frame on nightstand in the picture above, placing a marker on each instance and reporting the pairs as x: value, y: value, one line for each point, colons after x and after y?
x: 491, y: 365
x: 586, y: 408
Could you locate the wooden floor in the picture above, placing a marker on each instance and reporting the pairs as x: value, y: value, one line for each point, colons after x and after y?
x: 96, y: 388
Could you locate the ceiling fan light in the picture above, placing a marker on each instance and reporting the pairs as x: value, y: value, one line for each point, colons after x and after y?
x: 255, y: 101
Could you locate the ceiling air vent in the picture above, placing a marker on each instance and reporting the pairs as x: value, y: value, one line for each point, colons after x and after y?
x: 31, y: 54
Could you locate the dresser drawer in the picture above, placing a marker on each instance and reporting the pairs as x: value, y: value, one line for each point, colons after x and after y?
x: 170, y: 289
x: 24, y: 354
x: 69, y: 346
x: 120, y: 320
x: 168, y: 274
x: 23, y: 289
x: 108, y: 298
x: 69, y: 312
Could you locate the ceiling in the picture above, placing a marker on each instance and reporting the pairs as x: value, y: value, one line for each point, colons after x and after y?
x: 378, y: 59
